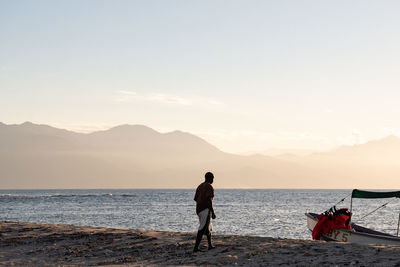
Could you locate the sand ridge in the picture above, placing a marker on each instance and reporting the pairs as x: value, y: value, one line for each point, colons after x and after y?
x: 33, y: 244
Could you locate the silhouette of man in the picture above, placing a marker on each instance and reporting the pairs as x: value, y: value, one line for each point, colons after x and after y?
x: 204, y: 209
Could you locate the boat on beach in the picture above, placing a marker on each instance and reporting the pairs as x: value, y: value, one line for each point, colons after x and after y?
x: 337, y: 226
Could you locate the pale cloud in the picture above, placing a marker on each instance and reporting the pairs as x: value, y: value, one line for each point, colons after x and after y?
x: 354, y: 138
x: 261, y: 135
x: 390, y: 131
x: 357, y: 138
x: 169, y: 99
x: 245, y: 140
x: 161, y: 98
x: 302, y: 136
x: 213, y: 102
x: 236, y: 134
x: 131, y: 96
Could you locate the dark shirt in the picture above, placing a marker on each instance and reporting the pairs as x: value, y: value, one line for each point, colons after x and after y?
x: 204, y: 196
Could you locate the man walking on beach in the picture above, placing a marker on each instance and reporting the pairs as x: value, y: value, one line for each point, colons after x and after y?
x: 204, y: 209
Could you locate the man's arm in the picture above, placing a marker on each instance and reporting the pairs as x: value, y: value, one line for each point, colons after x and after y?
x: 212, y: 212
x: 210, y: 206
x: 211, y: 203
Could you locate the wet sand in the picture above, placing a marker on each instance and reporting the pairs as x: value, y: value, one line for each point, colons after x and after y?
x: 32, y: 244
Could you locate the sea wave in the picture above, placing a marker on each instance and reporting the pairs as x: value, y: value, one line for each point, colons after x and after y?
x: 66, y: 195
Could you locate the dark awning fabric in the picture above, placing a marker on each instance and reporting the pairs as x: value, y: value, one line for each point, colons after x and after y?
x: 368, y: 194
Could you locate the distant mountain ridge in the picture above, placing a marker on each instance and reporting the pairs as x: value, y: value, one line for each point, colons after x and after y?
x: 130, y: 137
x: 382, y: 150
x: 136, y: 156
x: 33, y: 155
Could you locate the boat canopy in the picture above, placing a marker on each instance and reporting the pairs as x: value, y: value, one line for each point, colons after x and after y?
x: 369, y: 194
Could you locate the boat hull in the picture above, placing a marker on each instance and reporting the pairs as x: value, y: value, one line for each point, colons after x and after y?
x: 352, y: 236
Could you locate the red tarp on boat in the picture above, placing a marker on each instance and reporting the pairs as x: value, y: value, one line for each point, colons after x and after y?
x: 338, y: 220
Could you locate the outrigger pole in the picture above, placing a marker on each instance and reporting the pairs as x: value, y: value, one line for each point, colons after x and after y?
x: 351, y: 204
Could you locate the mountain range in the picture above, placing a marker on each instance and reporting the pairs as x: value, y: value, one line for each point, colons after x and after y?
x: 136, y: 156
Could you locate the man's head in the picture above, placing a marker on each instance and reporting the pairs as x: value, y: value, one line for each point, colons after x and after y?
x: 209, y: 177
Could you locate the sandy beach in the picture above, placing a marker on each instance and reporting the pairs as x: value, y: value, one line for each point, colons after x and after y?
x: 33, y: 244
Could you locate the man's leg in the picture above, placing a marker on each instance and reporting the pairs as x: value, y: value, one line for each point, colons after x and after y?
x: 210, y: 246
x: 198, y: 240
x: 200, y: 234
x: 208, y: 233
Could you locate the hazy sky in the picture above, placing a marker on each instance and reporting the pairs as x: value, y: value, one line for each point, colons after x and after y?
x: 244, y: 75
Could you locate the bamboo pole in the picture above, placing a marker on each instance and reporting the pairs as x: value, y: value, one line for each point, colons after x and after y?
x: 351, y: 204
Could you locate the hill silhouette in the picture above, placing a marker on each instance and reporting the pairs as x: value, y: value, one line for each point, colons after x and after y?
x: 136, y: 156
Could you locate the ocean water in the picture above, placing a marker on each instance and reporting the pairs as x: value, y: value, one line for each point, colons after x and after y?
x: 275, y: 213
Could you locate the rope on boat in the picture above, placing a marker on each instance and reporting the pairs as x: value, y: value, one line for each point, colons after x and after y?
x: 340, y: 201
x: 382, y: 206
